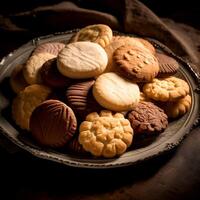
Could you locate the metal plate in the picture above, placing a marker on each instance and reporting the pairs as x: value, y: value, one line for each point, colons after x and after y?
x: 167, y: 140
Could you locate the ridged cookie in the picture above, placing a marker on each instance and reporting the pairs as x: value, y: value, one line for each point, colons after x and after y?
x: 113, y: 92
x: 81, y: 60
x: 98, y: 33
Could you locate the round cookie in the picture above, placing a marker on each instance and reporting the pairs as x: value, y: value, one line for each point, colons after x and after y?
x: 177, y: 108
x: 49, y: 47
x: 147, y: 118
x: 53, y: 123
x: 17, y: 81
x: 26, y: 101
x: 52, y: 77
x: 98, y: 33
x: 117, y: 42
x: 166, y: 89
x: 148, y: 45
x: 168, y: 65
x: 80, y: 98
x: 115, y: 93
x: 105, y: 134
x: 135, y: 63
x: 32, y: 68
x: 81, y: 60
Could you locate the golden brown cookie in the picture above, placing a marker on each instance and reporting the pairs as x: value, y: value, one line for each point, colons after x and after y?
x: 105, y: 134
x: 26, y: 101
x: 117, y: 42
x: 98, y: 33
x: 136, y: 64
x: 177, y: 108
x: 148, y: 45
x: 166, y: 89
x: 32, y: 68
x: 17, y: 81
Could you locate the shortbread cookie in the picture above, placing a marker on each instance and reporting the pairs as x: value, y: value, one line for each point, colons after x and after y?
x: 26, y: 101
x: 117, y: 42
x: 135, y: 63
x: 166, y: 89
x: 50, y: 47
x: 17, y: 81
x: 52, y: 77
x: 177, y: 108
x: 80, y: 99
x: 168, y: 65
x: 32, y: 68
x: 53, y: 123
x: 115, y: 93
x: 147, y: 118
x: 82, y: 60
x: 98, y: 33
x: 105, y: 134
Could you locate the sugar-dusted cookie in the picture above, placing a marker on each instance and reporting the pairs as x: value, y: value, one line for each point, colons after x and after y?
x: 17, y: 81
x: 98, y: 33
x: 177, y: 108
x: 82, y: 60
x: 116, y: 93
x: 105, y: 134
x: 147, y: 118
x: 168, y: 65
x: 49, y: 47
x: 52, y: 77
x: 53, y: 123
x: 26, y: 101
x: 117, y: 42
x: 80, y: 98
x: 166, y: 89
x: 135, y: 63
x: 32, y: 68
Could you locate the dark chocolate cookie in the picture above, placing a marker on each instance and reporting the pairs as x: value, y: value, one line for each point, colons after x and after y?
x: 168, y: 65
x: 80, y: 98
x: 51, y: 76
x: 147, y: 118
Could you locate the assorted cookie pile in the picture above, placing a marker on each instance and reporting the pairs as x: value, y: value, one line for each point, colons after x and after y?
x: 97, y: 93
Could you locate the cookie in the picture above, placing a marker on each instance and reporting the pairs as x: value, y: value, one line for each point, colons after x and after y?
x: 49, y: 47
x: 168, y: 65
x: 81, y: 60
x: 53, y: 123
x: 148, y: 45
x: 117, y: 42
x: 166, y: 89
x: 80, y: 99
x: 147, y: 118
x: 177, y: 108
x: 143, y: 97
x: 98, y: 33
x: 105, y: 134
x: 17, y: 81
x: 32, y: 68
x: 52, y: 77
x: 135, y: 64
x: 26, y: 101
x: 115, y: 93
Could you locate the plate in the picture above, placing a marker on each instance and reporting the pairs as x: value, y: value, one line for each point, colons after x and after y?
x: 166, y: 141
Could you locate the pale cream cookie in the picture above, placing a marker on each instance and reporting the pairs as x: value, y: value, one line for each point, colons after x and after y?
x: 32, y: 68
x: 17, y: 80
x: 98, y: 33
x: 105, y: 134
x: 26, y: 101
x: 166, y: 89
x: 177, y: 108
x: 82, y: 60
x: 115, y: 93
